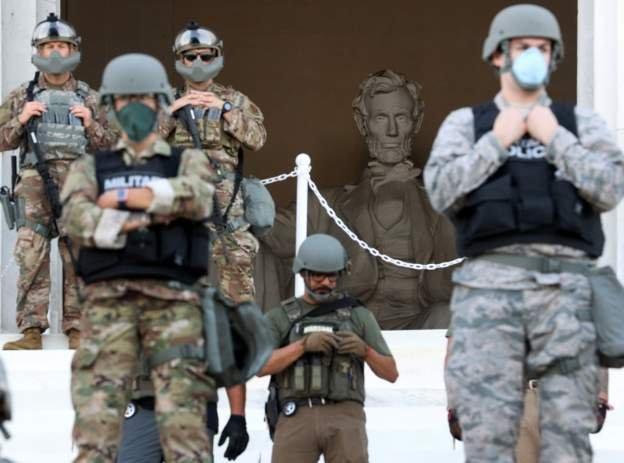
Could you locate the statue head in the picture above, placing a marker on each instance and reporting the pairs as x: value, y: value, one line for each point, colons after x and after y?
x: 388, y: 112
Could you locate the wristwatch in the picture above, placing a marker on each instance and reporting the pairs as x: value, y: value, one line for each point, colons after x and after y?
x: 122, y: 199
x: 227, y: 107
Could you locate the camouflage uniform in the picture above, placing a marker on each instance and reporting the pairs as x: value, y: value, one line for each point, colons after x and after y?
x: 233, y: 252
x: 125, y: 316
x: 32, y: 249
x: 507, y: 320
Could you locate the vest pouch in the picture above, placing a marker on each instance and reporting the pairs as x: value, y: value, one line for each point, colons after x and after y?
x: 212, y: 128
x: 489, y: 209
x: 569, y: 207
x: 92, y: 261
x: 259, y: 206
x: 608, y: 316
x: 318, y: 375
x: 199, y: 251
x: 534, y: 211
x: 142, y: 246
x: 173, y: 245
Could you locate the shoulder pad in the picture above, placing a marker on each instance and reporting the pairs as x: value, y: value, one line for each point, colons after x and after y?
x: 292, y: 309
x: 82, y: 89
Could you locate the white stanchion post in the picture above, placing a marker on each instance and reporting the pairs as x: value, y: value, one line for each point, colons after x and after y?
x: 303, y: 175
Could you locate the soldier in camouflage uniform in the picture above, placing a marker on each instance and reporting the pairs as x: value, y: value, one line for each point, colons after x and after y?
x: 68, y: 124
x: 323, y: 338
x: 525, y: 180
x: 138, y: 212
x: 220, y: 121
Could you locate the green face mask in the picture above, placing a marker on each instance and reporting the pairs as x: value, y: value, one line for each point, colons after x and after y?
x: 137, y: 120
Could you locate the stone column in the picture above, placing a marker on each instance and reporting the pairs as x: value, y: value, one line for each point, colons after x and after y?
x: 18, y: 19
x: 601, y: 87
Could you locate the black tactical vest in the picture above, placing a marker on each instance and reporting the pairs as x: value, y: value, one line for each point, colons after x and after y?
x: 523, y: 202
x: 178, y: 251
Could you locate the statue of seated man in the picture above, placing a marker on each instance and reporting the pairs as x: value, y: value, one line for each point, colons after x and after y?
x: 388, y: 209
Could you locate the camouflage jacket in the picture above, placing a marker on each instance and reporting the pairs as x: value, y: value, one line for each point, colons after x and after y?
x: 242, y: 126
x: 12, y: 136
x: 86, y: 223
x: 593, y: 162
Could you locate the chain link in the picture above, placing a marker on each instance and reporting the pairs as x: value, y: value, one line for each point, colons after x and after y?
x: 279, y: 178
x: 371, y: 250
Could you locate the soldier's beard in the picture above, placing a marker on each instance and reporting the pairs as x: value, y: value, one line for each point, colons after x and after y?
x: 389, y: 153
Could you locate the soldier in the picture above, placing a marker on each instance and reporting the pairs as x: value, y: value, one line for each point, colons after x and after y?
x: 220, y: 121
x: 324, y: 339
x: 138, y: 212
x: 525, y: 180
x: 63, y: 115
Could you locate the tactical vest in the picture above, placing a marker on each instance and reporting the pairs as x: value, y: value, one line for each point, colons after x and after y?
x: 334, y: 377
x: 523, y: 202
x: 178, y: 251
x: 61, y: 135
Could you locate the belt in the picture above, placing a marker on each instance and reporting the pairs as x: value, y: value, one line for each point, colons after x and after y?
x: 540, y: 264
x: 313, y: 401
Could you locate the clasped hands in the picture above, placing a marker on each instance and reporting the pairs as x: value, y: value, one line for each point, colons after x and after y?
x: 511, y: 124
x: 343, y: 342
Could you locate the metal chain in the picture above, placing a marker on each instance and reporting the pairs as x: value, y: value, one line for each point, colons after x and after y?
x: 279, y: 178
x: 371, y: 250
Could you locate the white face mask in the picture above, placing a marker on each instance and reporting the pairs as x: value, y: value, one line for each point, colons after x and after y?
x: 530, y: 70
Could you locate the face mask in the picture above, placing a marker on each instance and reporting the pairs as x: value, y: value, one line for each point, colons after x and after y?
x: 200, y: 71
x: 56, y: 64
x: 530, y: 70
x: 136, y: 120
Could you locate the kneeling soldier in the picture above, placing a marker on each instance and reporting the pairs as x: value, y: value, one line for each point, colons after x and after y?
x: 325, y: 338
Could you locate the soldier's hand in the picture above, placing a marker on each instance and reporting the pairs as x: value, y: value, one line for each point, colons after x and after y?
x: 31, y: 109
x: 351, y: 343
x: 236, y: 432
x: 542, y: 124
x: 453, y: 423
x: 193, y: 99
x: 83, y: 113
x: 320, y: 341
x: 210, y: 100
x: 509, y: 126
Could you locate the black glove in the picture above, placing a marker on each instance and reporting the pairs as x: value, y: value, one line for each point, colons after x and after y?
x: 454, y: 427
x: 236, y: 431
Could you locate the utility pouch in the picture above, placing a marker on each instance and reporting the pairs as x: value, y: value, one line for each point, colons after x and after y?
x: 271, y: 408
x: 9, y: 209
x: 608, y: 316
x: 259, y: 206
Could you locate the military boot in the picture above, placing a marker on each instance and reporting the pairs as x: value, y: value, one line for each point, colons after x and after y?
x: 73, y: 337
x: 30, y: 341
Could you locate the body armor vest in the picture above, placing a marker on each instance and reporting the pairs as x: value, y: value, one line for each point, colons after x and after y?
x: 61, y: 135
x: 334, y: 377
x: 524, y: 202
x: 178, y: 251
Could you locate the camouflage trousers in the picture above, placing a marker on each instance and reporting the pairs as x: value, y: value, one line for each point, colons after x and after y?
x: 32, y: 255
x: 499, y: 336
x: 233, y: 255
x: 103, y: 369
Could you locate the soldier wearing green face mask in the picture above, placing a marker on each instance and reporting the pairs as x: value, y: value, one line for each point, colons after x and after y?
x: 323, y: 338
x: 61, y: 114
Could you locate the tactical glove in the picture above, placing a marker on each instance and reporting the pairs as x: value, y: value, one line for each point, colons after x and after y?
x: 601, y: 416
x: 454, y: 426
x: 236, y: 431
x: 351, y: 343
x: 320, y: 341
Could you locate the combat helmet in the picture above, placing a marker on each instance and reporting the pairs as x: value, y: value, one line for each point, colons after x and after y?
x: 523, y: 20
x: 54, y: 29
x: 321, y: 253
x: 193, y: 37
x: 135, y: 74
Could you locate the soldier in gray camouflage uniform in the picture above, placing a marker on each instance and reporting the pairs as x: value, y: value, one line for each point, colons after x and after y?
x: 525, y: 180
x: 69, y: 124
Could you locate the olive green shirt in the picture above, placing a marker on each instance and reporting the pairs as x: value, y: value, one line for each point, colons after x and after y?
x: 365, y: 325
